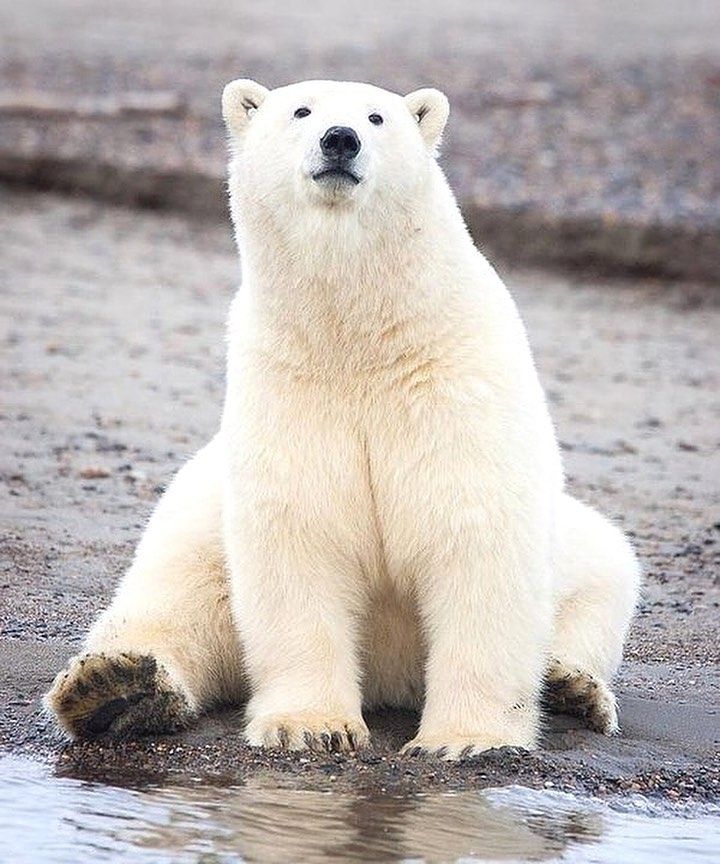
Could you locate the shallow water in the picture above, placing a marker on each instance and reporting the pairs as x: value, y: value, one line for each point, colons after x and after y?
x: 52, y: 819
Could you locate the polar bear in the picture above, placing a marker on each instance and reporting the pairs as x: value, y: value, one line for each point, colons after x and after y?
x: 380, y: 519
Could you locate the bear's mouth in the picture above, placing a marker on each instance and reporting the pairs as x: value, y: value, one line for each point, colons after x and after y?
x: 337, y: 173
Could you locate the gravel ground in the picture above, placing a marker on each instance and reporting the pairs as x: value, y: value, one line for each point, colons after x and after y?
x: 580, y: 134
x: 112, y: 335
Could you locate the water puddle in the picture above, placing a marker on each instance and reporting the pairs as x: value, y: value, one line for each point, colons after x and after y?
x: 54, y: 820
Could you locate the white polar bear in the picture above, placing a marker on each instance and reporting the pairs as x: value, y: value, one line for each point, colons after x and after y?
x: 381, y: 518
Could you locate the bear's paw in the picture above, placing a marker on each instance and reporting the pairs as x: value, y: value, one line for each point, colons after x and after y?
x: 572, y: 691
x: 307, y: 730
x: 454, y: 748
x: 116, y: 695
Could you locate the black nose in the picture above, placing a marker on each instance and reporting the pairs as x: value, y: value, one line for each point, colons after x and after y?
x: 340, y: 142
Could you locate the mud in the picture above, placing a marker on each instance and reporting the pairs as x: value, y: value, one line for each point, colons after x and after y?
x: 112, y: 335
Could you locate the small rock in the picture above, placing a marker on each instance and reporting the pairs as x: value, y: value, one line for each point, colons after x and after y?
x: 687, y: 446
x: 94, y: 472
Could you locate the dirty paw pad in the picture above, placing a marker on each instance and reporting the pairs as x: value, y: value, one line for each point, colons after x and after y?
x: 118, y: 695
x: 571, y: 691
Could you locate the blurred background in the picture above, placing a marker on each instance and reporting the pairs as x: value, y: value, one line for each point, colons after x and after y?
x: 582, y: 132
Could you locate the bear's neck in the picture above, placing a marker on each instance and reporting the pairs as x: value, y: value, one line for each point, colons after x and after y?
x: 332, y: 273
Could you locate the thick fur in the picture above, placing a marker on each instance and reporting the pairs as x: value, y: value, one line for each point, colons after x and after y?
x: 381, y: 517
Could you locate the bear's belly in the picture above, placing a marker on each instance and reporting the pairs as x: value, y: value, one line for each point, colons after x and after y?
x: 393, y: 651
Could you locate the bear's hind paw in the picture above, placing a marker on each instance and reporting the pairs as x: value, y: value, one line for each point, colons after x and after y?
x: 572, y: 691
x: 116, y: 695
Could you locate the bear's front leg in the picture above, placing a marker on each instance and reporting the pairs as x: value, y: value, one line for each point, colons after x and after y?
x: 299, y: 638
x: 292, y: 529
x: 487, y: 619
x: 471, y: 520
x: 297, y: 622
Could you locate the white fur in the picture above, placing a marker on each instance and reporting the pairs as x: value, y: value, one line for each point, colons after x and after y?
x: 384, y: 500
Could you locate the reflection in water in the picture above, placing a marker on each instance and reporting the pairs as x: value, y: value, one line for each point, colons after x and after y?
x: 52, y: 819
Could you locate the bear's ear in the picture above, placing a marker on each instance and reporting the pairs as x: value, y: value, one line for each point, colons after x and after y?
x: 430, y: 108
x: 240, y: 99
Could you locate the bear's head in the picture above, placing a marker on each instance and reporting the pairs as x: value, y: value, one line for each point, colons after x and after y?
x: 330, y: 146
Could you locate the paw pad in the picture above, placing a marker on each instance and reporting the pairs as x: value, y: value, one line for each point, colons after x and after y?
x: 571, y: 691
x: 120, y: 695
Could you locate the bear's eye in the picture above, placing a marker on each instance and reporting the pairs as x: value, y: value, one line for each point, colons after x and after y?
x: 376, y: 119
x: 302, y: 112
